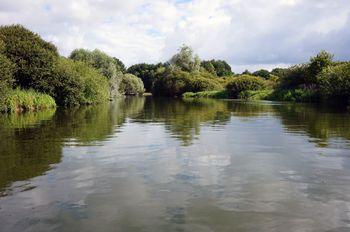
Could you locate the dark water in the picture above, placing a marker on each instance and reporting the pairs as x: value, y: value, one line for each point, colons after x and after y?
x: 169, y: 165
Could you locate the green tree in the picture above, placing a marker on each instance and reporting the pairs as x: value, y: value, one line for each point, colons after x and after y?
x: 262, y: 73
x: 131, y: 85
x: 322, y: 60
x: 34, y: 58
x: 147, y: 73
x: 119, y: 65
x: 244, y: 83
x: 185, y: 60
x: 208, y: 66
x: 79, y: 84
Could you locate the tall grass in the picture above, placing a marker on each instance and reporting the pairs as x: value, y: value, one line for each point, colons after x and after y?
x: 18, y: 100
x: 207, y: 94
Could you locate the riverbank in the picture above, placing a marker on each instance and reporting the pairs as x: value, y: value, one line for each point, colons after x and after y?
x: 18, y: 100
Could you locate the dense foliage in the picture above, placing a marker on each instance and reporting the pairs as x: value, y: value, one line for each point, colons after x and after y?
x: 185, y: 60
x: 79, y: 84
x: 219, y: 68
x: 175, y: 82
x: 131, y: 85
x: 334, y: 82
x: 244, y: 83
x: 34, y: 58
x: 147, y: 73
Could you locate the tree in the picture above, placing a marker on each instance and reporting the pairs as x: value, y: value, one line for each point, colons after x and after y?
x: 147, y: 73
x: 106, y: 65
x: 185, y: 60
x: 221, y: 68
x: 131, y: 85
x: 208, y: 66
x: 79, y: 84
x: 262, y: 73
x: 322, y: 60
x: 246, y: 72
x: 119, y: 65
x: 34, y: 58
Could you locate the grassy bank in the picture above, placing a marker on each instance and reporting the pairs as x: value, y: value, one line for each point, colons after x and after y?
x: 207, y: 94
x: 26, y: 100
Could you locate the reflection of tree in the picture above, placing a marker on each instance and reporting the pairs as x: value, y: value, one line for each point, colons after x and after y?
x: 31, y: 142
x: 318, y: 122
x: 184, y: 118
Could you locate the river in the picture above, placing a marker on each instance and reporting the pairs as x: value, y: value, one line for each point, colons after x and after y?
x: 144, y: 164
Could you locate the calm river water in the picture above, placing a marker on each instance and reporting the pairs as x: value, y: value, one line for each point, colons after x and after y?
x: 143, y: 164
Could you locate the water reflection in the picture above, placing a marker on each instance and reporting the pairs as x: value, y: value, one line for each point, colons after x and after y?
x: 143, y: 164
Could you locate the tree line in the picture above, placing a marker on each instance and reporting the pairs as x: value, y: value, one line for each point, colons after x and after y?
x: 31, y: 69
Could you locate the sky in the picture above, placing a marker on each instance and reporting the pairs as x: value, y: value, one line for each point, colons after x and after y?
x: 248, y: 34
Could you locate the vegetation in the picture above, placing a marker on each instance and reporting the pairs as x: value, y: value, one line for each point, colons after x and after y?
x: 244, y: 83
x: 29, y: 63
x: 131, y: 85
x: 27, y: 100
x: 147, y: 73
x: 79, y: 84
x: 217, y: 67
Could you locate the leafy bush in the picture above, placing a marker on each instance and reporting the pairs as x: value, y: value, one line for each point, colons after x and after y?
x: 79, y: 84
x: 185, y: 60
x: 262, y: 73
x: 34, y: 58
x: 131, y: 85
x: 174, y: 82
x: 220, y: 94
x: 147, y: 73
x: 243, y: 83
x: 106, y: 65
x: 294, y: 95
x: 334, y: 82
x: 27, y: 100
x: 6, y: 78
x: 219, y: 68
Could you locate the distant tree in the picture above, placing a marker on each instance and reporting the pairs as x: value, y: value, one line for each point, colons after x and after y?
x: 106, y: 65
x: 246, y: 72
x: 322, y: 60
x: 34, y: 58
x: 131, y: 85
x: 222, y: 68
x: 147, y: 73
x: 185, y: 60
x: 119, y: 65
x: 262, y: 73
x: 278, y: 72
x: 208, y: 66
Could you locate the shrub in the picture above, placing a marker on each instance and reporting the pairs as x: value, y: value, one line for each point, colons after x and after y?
x: 334, y: 82
x: 294, y: 95
x: 185, y: 60
x: 220, y: 94
x: 34, y: 58
x: 27, y: 100
x: 131, y: 85
x: 147, y: 73
x: 6, y: 78
x: 262, y: 73
x: 243, y: 83
x: 174, y: 82
x: 79, y: 84
x: 106, y: 65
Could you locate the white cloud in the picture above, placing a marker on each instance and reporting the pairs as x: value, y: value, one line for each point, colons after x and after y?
x: 248, y: 34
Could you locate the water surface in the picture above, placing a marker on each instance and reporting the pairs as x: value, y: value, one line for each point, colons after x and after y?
x: 143, y: 164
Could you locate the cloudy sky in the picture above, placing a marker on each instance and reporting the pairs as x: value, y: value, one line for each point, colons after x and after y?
x: 246, y: 33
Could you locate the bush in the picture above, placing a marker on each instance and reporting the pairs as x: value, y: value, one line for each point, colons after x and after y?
x: 27, y: 100
x: 174, y: 82
x: 6, y: 78
x: 147, y: 73
x: 334, y: 82
x: 131, y: 85
x: 294, y: 95
x: 34, y: 58
x: 244, y: 83
x: 106, y: 65
x: 220, y: 94
x: 79, y: 84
